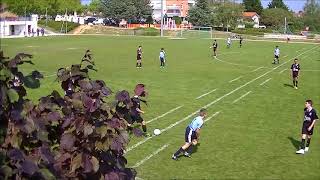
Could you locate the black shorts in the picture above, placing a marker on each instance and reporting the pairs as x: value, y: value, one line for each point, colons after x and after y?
x: 139, y: 57
x: 305, y: 127
x: 189, y: 135
x: 162, y: 59
x: 214, y: 49
x: 295, y: 74
x: 133, y: 118
x: 275, y: 56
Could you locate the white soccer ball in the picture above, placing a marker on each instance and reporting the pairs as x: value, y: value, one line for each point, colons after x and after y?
x: 157, y: 132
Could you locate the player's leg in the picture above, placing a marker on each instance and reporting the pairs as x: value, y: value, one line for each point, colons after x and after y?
x: 143, y: 125
x: 188, y: 142
x: 296, y: 79
x: 190, y: 148
x: 293, y: 80
x: 306, y: 149
x: 303, y: 138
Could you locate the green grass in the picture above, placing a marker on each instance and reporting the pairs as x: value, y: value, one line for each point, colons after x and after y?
x: 254, y: 138
x: 56, y: 25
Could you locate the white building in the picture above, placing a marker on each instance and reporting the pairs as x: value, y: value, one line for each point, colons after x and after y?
x: 17, y: 26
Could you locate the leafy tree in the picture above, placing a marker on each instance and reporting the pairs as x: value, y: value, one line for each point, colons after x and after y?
x: 311, y: 16
x: 278, y: 4
x: 275, y: 17
x: 131, y: 10
x: 199, y: 15
x: 253, y: 6
x: 78, y: 135
x: 227, y: 14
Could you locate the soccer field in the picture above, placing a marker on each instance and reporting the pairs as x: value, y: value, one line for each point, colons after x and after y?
x: 254, y: 114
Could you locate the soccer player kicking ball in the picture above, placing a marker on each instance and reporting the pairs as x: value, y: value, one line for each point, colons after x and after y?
x: 276, y: 55
x: 310, y: 117
x: 295, y: 68
x: 191, y: 135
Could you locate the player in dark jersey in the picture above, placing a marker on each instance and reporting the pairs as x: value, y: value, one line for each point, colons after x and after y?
x: 139, y: 57
x: 295, y: 68
x: 214, y: 48
x: 241, y: 39
x: 309, y: 120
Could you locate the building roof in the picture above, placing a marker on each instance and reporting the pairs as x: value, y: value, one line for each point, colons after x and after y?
x: 8, y: 14
x: 250, y: 14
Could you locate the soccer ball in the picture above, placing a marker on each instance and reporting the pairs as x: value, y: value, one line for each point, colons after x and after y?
x: 157, y: 132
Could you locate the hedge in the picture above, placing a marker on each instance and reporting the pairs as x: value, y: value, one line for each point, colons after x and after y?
x: 56, y: 25
x: 146, y: 31
x: 252, y: 31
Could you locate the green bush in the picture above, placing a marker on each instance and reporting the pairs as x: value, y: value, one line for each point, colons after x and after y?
x: 146, y: 31
x: 248, y: 24
x: 177, y: 19
x: 56, y: 25
x: 252, y: 31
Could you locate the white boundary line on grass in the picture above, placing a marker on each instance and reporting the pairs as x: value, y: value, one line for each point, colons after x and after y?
x: 233, y: 63
x: 172, y: 110
x: 265, y: 81
x: 235, y: 79
x: 241, y: 97
x: 150, y: 156
x: 214, y: 115
x: 282, y: 71
x: 215, y: 101
x: 206, y: 94
x: 257, y: 69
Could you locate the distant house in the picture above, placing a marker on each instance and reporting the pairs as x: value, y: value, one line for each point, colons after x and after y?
x: 13, y: 25
x: 251, y: 17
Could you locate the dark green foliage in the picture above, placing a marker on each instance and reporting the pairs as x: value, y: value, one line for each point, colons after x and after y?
x: 130, y: 10
x: 177, y: 19
x: 56, y: 25
x: 77, y: 135
x: 278, y: 4
x: 199, y: 15
x: 275, y: 17
x: 253, y: 6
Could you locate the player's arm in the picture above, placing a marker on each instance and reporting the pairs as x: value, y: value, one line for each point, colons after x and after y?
x: 314, y: 118
x: 139, y: 110
x: 198, y: 133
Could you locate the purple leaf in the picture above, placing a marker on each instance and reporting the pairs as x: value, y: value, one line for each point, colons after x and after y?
x: 140, y: 90
x: 67, y: 121
x: 116, y: 144
x: 85, y: 85
x: 123, y: 96
x: 15, y: 154
x: 86, y: 163
x: 53, y: 116
x: 106, y: 91
x: 67, y: 141
x: 137, y: 132
x: 46, y: 154
x: 15, y: 115
x: 114, y: 123
x: 29, y: 167
x: 111, y: 176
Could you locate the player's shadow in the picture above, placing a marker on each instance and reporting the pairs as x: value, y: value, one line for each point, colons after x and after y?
x: 294, y: 142
x: 288, y: 85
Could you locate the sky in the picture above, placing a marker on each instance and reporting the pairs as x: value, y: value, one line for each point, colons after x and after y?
x: 295, y: 5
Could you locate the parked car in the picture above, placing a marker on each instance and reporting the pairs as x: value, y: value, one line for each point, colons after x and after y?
x: 98, y: 21
x: 89, y: 20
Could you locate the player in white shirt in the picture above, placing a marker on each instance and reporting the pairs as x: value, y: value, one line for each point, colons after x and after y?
x: 276, y: 55
x: 228, y: 42
x: 162, y: 58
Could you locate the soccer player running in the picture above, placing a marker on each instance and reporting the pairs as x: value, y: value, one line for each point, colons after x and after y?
x: 276, y: 55
x: 214, y: 46
x: 241, y: 39
x: 135, y: 110
x: 139, y: 57
x: 309, y: 120
x: 192, y: 135
x: 295, y: 68
x: 162, y: 58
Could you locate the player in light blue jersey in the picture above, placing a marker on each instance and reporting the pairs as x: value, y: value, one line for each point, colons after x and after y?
x: 162, y: 58
x: 191, y: 135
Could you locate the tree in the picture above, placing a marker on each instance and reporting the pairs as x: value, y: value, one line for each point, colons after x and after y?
x: 199, y: 15
x: 131, y: 10
x: 226, y: 14
x: 94, y: 6
x: 278, y: 4
x: 275, y: 17
x: 253, y: 6
x: 311, y: 16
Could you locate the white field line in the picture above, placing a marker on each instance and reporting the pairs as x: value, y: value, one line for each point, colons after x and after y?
x: 206, y: 94
x: 241, y: 97
x: 150, y: 156
x: 285, y: 56
x: 265, y: 81
x: 257, y: 69
x: 172, y: 110
x: 235, y: 79
x: 50, y: 75
x: 230, y: 53
x: 232, y: 63
x: 282, y: 71
x: 215, y: 101
x: 215, y: 114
